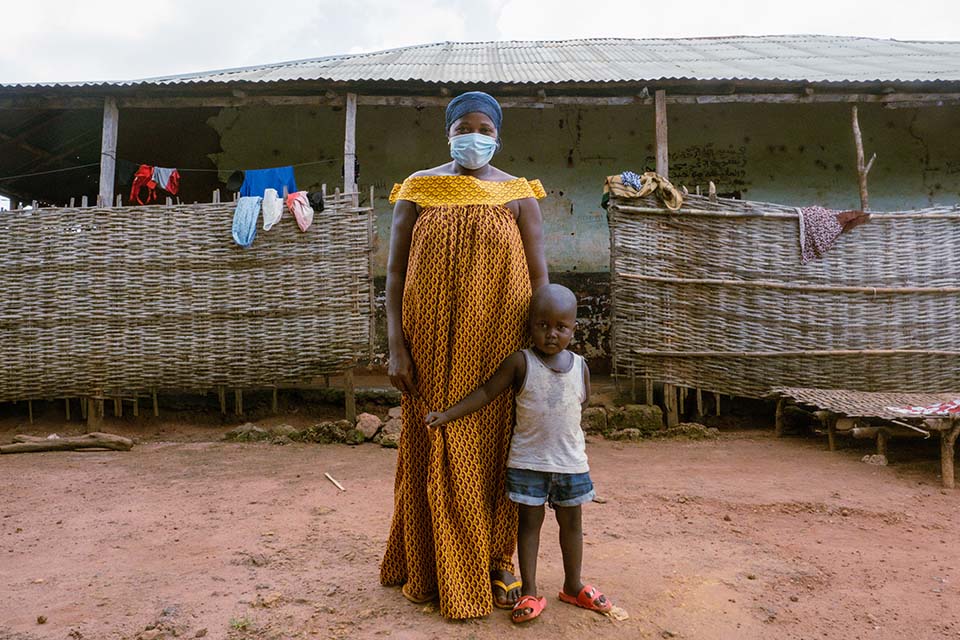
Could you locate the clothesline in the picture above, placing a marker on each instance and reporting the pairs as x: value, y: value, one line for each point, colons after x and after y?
x: 96, y: 164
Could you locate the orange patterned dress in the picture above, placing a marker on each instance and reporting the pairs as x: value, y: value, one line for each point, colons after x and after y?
x: 464, y: 311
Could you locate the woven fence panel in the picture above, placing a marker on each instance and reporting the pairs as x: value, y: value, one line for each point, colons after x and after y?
x: 134, y: 298
x: 715, y: 297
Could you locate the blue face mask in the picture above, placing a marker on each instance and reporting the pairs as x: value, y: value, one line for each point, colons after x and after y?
x: 472, y: 150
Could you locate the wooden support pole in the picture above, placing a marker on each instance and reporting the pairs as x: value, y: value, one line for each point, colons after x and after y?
x: 832, y: 432
x: 66, y: 402
x: 30, y: 410
x: 882, y: 438
x: 350, y: 144
x: 660, y: 107
x: 699, y: 403
x: 94, y: 413
x: 350, y: 395
x: 648, y: 390
x: 717, y: 398
x: 238, y: 402
x: 948, y: 437
x: 156, y: 405
x: 108, y: 151
x: 862, y: 168
x: 136, y: 406
x: 222, y: 395
x: 83, y: 408
x: 670, y: 405
x: 633, y: 387
x: 778, y: 424
x: 274, y: 404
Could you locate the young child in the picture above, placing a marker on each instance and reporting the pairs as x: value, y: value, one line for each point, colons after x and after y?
x: 548, y: 460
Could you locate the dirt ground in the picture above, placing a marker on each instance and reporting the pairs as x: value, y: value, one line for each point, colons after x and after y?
x: 747, y: 536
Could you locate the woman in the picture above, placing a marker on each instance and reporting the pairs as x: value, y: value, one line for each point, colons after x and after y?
x: 466, y: 249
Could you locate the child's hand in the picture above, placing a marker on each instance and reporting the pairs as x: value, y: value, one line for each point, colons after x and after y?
x: 435, y: 419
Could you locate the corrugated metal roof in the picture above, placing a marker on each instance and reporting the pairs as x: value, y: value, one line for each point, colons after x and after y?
x: 792, y: 58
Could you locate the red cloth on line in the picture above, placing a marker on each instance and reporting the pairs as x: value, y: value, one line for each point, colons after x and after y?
x: 143, y: 179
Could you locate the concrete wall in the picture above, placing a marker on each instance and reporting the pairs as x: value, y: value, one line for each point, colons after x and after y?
x: 783, y: 153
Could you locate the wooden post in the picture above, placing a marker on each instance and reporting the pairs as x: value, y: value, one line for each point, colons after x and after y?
x: 660, y: 107
x: 238, y: 401
x: 778, y: 425
x: 222, y: 394
x: 350, y: 145
x: 832, y: 432
x: 108, y: 151
x: 648, y: 389
x: 94, y: 415
x: 156, y: 405
x: 274, y: 405
x: 349, y: 395
x: 670, y: 404
x: 882, y: 437
x: 862, y: 169
x: 30, y: 410
x: 948, y: 438
x: 699, y: 403
x: 66, y: 402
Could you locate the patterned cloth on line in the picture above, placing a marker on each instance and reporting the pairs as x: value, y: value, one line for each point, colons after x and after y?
x: 820, y: 228
x: 464, y: 310
x: 951, y: 408
x: 630, y: 185
x: 245, y: 220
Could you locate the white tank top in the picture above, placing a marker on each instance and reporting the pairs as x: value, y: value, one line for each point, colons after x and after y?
x: 547, y: 436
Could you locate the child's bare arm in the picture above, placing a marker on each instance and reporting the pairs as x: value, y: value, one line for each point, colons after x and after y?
x: 506, y: 375
x: 586, y: 386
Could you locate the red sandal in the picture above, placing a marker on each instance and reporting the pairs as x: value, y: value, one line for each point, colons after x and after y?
x: 535, y: 604
x: 588, y: 598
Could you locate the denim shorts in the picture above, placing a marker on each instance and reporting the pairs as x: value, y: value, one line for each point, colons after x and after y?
x: 534, y: 488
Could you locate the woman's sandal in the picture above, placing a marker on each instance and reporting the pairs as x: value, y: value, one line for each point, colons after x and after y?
x: 534, y: 604
x: 507, y: 588
x: 588, y: 598
x: 416, y: 599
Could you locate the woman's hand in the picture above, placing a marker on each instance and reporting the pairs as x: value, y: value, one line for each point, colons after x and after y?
x: 436, y: 419
x: 400, y: 370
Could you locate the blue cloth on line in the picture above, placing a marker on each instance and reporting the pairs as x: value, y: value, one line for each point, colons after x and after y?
x: 256, y: 181
x: 245, y: 220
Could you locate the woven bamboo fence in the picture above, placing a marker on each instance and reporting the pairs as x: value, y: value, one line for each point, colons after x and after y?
x: 138, y: 298
x: 715, y: 297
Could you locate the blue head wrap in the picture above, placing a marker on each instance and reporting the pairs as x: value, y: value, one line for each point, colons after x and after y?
x: 474, y: 102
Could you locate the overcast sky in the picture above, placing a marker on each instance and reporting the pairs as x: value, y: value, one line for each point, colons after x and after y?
x: 53, y: 40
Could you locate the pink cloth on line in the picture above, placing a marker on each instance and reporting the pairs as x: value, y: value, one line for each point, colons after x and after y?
x: 300, y: 206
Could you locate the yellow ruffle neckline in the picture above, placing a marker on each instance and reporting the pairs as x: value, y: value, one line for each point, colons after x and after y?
x: 434, y: 191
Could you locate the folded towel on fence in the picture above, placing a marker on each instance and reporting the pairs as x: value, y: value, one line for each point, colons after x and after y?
x: 245, y: 220
x: 272, y: 208
x: 820, y: 228
x: 299, y: 205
